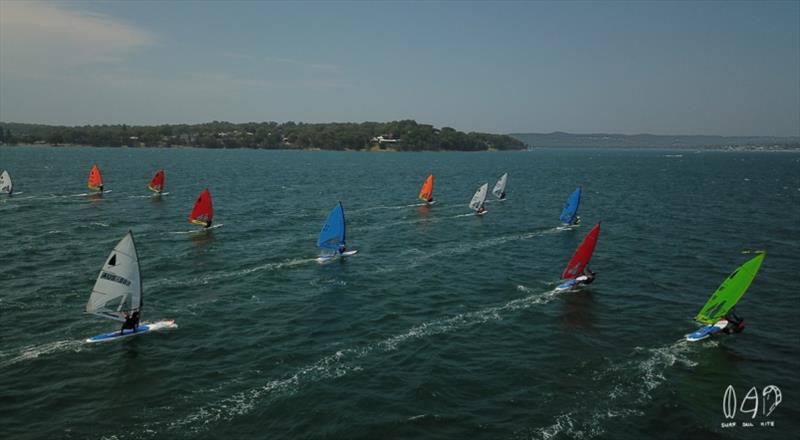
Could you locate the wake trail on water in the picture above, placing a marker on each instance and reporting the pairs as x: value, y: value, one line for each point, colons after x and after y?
x: 202, y: 280
x: 32, y: 352
x: 631, y: 385
x: 467, y: 246
x: 339, y: 364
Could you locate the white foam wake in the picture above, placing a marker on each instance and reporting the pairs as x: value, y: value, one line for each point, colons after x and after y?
x: 343, y: 362
x: 34, y: 351
x: 631, y: 386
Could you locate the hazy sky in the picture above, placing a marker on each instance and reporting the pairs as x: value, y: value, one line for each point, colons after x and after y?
x: 728, y: 68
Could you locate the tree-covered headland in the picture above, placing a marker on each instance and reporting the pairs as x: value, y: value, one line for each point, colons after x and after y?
x: 406, y: 135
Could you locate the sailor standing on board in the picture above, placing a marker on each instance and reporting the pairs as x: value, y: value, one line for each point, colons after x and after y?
x: 131, y: 322
x: 587, y: 277
x: 735, y: 323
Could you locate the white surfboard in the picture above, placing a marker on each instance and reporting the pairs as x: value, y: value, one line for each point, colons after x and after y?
x: 327, y: 258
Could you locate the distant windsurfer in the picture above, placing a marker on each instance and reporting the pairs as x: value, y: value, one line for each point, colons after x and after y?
x: 207, y: 224
x: 503, y: 195
x: 342, y: 249
x: 481, y: 210
x: 131, y: 322
x: 430, y: 200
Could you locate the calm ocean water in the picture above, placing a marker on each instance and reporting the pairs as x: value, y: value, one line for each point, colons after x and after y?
x: 443, y: 326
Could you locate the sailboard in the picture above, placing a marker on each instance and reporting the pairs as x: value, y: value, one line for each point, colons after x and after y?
x: 5, y: 183
x: 426, y: 192
x: 726, y: 297
x: 477, y: 202
x: 569, y: 215
x: 499, y: 190
x: 580, y: 259
x: 95, y: 179
x: 203, y: 210
x: 118, y: 291
x: 333, y: 236
x: 157, y: 182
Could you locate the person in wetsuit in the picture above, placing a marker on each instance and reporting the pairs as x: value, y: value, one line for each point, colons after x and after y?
x: 735, y: 323
x: 587, y: 277
x: 131, y: 322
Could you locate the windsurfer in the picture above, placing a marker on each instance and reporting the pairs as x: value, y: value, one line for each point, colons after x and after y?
x: 430, y: 199
x: 587, y: 277
x: 342, y: 249
x: 481, y: 210
x: 503, y: 195
x: 735, y: 323
x: 131, y: 322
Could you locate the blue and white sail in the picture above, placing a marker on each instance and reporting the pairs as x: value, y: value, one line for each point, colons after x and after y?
x: 332, y: 235
x: 569, y: 214
x: 118, y: 289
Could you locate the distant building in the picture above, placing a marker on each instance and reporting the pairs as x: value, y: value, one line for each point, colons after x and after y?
x: 384, y: 139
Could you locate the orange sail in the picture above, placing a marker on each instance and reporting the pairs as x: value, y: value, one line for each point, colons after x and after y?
x: 203, y: 211
x: 157, y: 183
x: 426, y: 193
x: 95, y: 179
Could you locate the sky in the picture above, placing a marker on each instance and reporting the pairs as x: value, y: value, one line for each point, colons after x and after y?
x: 716, y: 68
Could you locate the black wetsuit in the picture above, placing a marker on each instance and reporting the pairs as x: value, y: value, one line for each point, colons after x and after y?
x: 735, y: 324
x: 131, y: 322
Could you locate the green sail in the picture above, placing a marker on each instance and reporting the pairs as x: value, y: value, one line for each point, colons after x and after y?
x: 729, y: 293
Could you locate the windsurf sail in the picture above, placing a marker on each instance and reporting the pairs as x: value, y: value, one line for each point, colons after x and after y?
x: 157, y: 182
x: 426, y: 193
x: 580, y: 259
x: 5, y: 183
x: 332, y: 235
x: 570, y: 212
x: 480, y: 196
x: 500, y: 187
x: 203, y: 211
x: 95, y: 179
x: 118, y: 289
x: 730, y: 291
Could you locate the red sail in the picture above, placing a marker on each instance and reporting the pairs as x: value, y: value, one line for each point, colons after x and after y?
x: 95, y: 179
x: 157, y: 183
x: 203, y: 211
x: 582, y: 255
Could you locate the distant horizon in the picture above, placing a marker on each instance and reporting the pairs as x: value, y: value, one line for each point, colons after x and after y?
x: 722, y: 69
x: 607, y: 133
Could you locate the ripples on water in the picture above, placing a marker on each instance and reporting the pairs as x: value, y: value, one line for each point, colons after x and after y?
x: 443, y: 326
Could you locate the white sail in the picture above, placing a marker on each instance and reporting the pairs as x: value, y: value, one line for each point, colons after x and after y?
x: 479, y: 197
x: 500, y: 186
x: 5, y: 183
x: 118, y: 289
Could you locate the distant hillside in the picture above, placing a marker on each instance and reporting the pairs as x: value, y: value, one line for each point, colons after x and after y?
x: 560, y: 139
x: 406, y: 135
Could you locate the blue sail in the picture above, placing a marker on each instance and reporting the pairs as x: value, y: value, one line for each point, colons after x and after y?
x: 569, y: 214
x: 333, y: 234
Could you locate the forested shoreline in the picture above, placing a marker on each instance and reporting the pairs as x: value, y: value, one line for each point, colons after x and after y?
x: 405, y: 135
